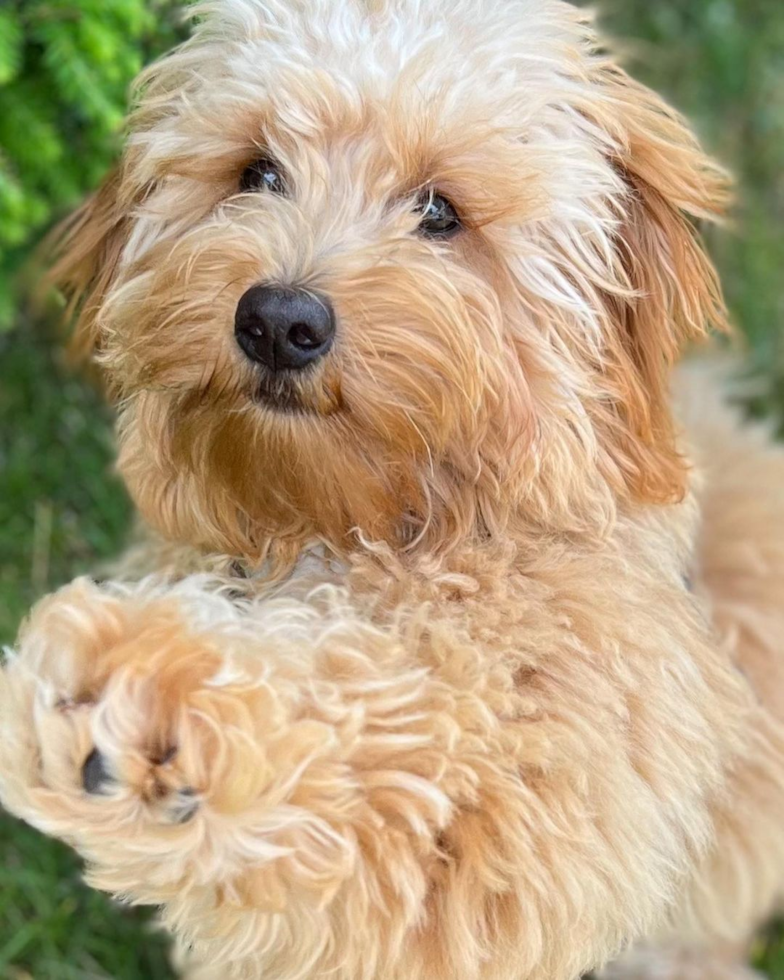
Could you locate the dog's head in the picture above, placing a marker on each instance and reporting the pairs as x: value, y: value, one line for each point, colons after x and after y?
x: 412, y: 267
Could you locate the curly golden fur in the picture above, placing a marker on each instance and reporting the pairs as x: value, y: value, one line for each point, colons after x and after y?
x: 460, y: 717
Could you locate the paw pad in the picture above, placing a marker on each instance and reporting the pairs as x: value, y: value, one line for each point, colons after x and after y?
x: 95, y: 775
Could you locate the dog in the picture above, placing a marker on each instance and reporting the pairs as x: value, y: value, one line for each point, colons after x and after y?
x: 451, y: 654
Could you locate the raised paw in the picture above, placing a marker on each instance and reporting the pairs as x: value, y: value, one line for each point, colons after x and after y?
x: 120, y: 723
x: 230, y: 762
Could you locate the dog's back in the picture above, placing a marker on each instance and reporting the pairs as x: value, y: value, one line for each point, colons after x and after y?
x: 739, y: 568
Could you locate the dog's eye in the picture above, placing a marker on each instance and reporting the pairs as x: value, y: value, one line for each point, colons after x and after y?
x: 439, y: 216
x: 263, y: 175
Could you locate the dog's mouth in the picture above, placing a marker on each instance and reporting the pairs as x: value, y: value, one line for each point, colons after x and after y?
x: 292, y: 393
x: 279, y: 393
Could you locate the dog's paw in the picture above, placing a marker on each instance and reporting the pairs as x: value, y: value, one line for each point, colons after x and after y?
x: 165, y: 738
x: 112, y: 736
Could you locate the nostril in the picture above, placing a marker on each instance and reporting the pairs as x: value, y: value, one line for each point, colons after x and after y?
x: 304, y: 336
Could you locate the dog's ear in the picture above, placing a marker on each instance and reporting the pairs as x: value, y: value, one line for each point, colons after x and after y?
x: 674, y: 294
x: 84, y: 252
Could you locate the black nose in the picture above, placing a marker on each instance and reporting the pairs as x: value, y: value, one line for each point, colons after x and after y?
x: 284, y: 329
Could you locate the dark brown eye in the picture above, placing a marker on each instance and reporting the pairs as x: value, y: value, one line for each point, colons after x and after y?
x: 263, y: 175
x: 439, y: 216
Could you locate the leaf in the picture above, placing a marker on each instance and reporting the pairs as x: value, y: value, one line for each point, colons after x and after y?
x: 11, y: 45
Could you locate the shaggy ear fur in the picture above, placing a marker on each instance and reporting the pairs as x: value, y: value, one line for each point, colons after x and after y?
x: 86, y: 248
x: 674, y: 295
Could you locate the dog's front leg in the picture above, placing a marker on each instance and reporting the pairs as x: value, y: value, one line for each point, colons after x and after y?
x: 307, y: 794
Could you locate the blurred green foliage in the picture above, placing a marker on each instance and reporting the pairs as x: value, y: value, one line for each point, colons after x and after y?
x: 65, y: 68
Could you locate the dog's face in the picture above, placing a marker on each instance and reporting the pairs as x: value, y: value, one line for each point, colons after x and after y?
x: 411, y: 267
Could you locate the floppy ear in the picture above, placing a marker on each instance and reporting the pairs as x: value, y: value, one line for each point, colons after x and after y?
x: 674, y: 294
x: 86, y: 249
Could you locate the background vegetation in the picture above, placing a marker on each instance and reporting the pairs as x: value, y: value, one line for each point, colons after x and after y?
x: 64, y: 70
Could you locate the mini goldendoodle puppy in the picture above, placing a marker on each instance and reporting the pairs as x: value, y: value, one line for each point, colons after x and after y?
x: 452, y: 668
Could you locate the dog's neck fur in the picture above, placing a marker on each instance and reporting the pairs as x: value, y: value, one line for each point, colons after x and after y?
x: 661, y: 537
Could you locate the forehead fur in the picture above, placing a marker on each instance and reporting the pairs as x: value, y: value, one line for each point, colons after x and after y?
x: 433, y: 82
x: 373, y: 48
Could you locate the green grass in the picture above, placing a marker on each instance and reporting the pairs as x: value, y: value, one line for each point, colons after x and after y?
x: 61, y: 511
x: 54, y: 928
